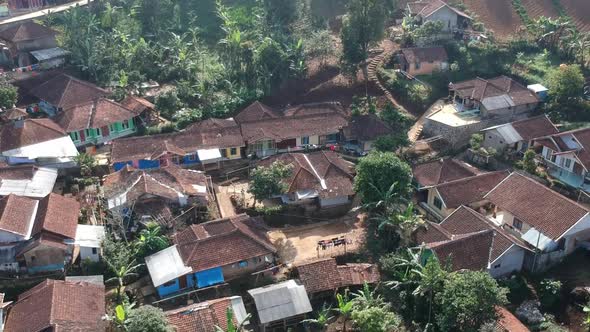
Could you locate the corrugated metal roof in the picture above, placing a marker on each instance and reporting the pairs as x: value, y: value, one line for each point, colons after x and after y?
x: 498, y: 102
x: 538, y: 239
x: 280, y: 301
x: 509, y: 134
x: 39, y: 186
x: 89, y: 236
x: 48, y: 54
x: 166, y: 265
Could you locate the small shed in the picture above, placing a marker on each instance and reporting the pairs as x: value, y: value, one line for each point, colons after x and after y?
x: 539, y: 90
x: 89, y: 238
x: 165, y: 267
x: 280, y: 304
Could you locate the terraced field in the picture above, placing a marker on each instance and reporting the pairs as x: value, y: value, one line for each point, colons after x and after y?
x: 538, y: 8
x: 579, y: 11
x: 497, y: 15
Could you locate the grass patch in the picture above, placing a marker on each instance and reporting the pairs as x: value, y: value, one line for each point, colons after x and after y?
x: 521, y: 11
x: 534, y: 67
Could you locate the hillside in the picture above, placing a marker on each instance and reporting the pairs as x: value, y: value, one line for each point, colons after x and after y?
x: 497, y: 15
x: 579, y: 11
x: 538, y: 8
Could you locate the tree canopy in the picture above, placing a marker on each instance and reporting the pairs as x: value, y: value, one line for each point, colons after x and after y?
x: 363, y: 25
x: 266, y: 182
x: 377, y: 172
x: 147, y: 319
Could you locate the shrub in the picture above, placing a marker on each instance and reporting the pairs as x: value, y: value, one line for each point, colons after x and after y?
x: 549, y: 293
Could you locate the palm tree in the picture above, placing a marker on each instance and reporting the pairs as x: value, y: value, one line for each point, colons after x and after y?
x: 323, y: 318
x: 366, y: 298
x: 402, y: 222
x: 122, y: 274
x: 344, y: 309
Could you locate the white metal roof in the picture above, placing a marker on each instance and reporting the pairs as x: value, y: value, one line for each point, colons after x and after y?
x: 49, y: 53
x: 538, y: 240
x: 40, y: 185
x: 537, y: 88
x: 89, y: 236
x: 166, y: 265
x: 55, y: 148
x: 280, y: 301
x: 209, y: 154
x: 96, y: 279
x: 509, y: 134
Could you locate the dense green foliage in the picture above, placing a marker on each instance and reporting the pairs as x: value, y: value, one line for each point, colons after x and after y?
x: 363, y: 26
x: 468, y: 300
x: 566, y: 84
x: 8, y: 95
x: 266, y: 182
x: 378, y: 172
x: 146, y: 319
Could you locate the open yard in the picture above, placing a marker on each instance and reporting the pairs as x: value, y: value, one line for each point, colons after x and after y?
x: 300, y: 243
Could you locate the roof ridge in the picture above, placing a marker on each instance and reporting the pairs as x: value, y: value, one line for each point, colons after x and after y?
x: 470, y: 178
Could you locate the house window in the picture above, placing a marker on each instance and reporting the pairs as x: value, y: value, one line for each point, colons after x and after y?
x: 112, y: 127
x: 169, y: 283
x: 192, y: 157
x: 568, y: 163
x: 125, y: 124
x: 97, y: 131
x: 233, y: 151
x: 75, y: 136
x: 175, y: 159
x: 417, y: 65
x: 517, y: 224
x: 438, y: 203
x: 88, y: 132
x: 94, y: 251
x: 305, y: 140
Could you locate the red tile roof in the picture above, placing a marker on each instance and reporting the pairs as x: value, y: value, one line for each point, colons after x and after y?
x: 479, y: 89
x: 431, y: 232
x: 443, y: 170
x: 56, y: 305
x: 469, y: 190
x: 536, y: 205
x: 16, y: 214
x: 226, y: 241
x: 534, y: 127
x: 200, y: 317
x: 65, y: 91
x: 366, y: 128
x: 309, y: 169
x: 259, y: 122
x: 167, y: 182
x: 137, y: 104
x: 26, y: 31
x: 58, y: 215
x: 14, y: 114
x: 469, y: 251
x: 93, y: 114
x: 207, y: 134
x: 325, y: 274
x: 425, y: 54
x: 579, y: 137
x: 20, y: 172
x: 508, y: 322
x: 28, y: 132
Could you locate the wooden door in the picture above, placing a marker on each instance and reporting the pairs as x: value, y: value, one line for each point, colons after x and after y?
x: 182, y: 282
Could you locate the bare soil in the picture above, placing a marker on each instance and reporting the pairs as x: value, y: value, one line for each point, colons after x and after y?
x: 538, y: 8
x: 497, y: 15
x: 299, y: 244
x: 579, y: 11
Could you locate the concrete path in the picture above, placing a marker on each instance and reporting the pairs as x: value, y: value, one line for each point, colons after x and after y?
x: 226, y: 208
x: 43, y: 12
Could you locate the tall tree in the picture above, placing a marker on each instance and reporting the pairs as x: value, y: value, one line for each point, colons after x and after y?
x: 377, y: 173
x: 268, y: 181
x: 468, y: 300
x: 363, y: 26
x: 566, y: 86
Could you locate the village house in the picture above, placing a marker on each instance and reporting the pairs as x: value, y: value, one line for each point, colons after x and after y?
x: 470, y: 240
x: 38, y: 141
x: 146, y: 110
x: 423, y: 60
x: 27, y: 180
x: 546, y: 220
x: 57, y: 305
x: 235, y: 247
x: 268, y: 131
x: 319, y: 178
x: 439, y: 11
x: 98, y: 121
x: 62, y: 92
x: 206, y: 316
x: 206, y: 143
x: 442, y: 170
x: 362, y: 131
x: 278, y: 315
x: 478, y: 104
x: 153, y: 193
x: 518, y: 136
x: 566, y: 157
x: 88, y: 242
x: 13, y: 114
x: 442, y: 199
x: 325, y: 275
x: 29, y: 44
x: 52, y: 236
